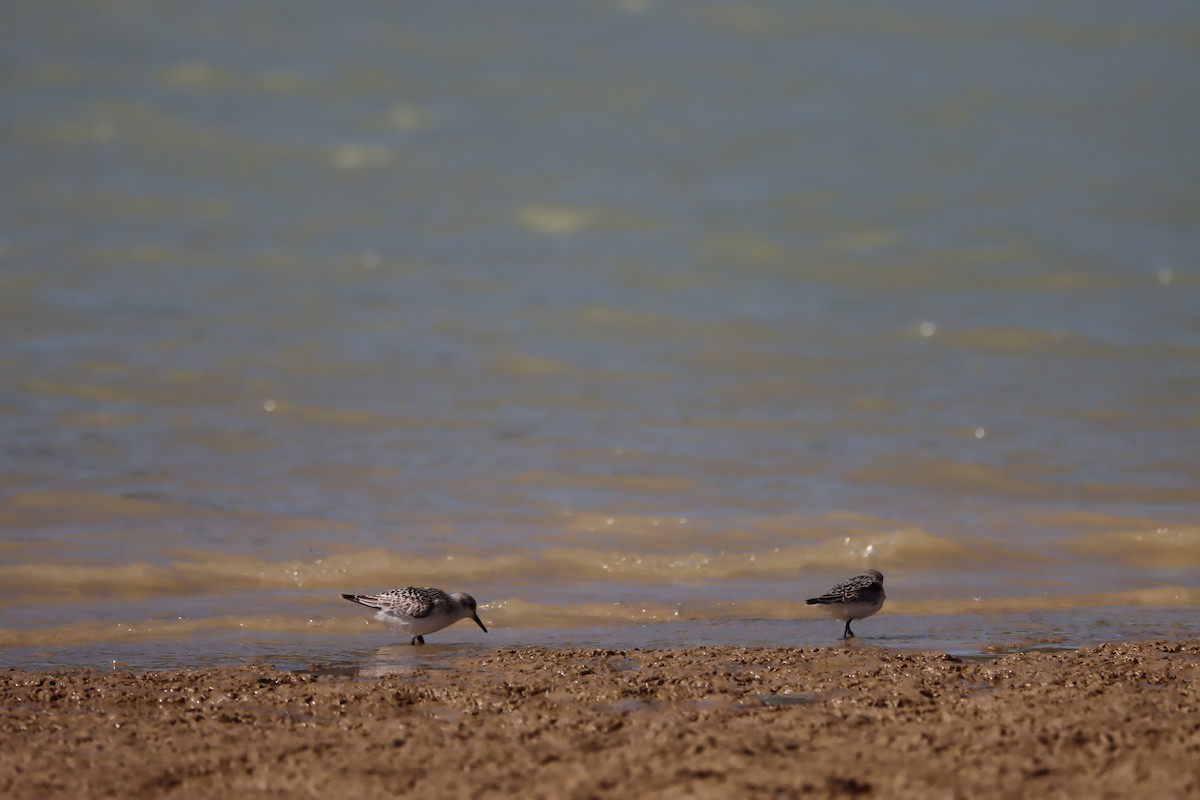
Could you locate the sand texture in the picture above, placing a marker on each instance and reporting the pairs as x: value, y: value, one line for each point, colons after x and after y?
x: 1111, y: 721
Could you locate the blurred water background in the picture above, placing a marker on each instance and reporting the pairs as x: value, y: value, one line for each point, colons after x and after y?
x: 641, y: 321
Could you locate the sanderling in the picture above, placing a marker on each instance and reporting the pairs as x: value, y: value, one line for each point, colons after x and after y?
x: 419, y: 611
x: 857, y: 598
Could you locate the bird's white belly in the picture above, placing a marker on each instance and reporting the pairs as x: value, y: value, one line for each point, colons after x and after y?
x: 416, y: 626
x: 851, y: 611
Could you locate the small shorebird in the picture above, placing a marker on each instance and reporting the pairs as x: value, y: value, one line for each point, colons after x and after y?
x: 417, y: 612
x: 857, y: 598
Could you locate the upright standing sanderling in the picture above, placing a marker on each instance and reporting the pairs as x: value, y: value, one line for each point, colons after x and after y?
x: 857, y: 598
x: 419, y: 611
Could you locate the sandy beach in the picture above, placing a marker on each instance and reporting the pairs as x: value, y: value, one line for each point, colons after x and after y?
x: 1116, y: 720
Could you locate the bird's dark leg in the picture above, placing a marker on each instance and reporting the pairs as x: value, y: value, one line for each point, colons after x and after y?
x: 849, y: 634
x: 418, y: 640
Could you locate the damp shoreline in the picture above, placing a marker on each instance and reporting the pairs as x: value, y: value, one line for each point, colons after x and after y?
x: 610, y: 722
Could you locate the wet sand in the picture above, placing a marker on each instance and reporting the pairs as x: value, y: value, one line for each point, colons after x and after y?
x: 1111, y: 721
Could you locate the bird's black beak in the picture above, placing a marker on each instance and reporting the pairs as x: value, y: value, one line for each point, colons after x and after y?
x: 479, y: 622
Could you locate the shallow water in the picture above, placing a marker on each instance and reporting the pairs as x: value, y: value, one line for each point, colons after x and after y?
x: 629, y: 317
x: 374, y: 651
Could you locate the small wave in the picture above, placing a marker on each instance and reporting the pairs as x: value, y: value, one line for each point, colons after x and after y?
x: 216, y: 573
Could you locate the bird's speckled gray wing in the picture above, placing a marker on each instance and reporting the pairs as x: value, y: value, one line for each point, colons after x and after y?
x: 411, y: 601
x: 859, y: 589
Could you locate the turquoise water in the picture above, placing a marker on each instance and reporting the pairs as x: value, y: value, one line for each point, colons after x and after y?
x: 611, y: 314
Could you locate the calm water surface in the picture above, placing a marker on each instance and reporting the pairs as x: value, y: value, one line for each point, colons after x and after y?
x: 640, y: 321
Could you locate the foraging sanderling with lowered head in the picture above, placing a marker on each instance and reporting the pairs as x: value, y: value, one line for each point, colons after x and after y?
x: 418, y: 611
x: 857, y: 598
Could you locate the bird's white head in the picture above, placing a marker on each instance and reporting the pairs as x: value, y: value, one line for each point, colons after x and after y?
x: 467, y: 608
